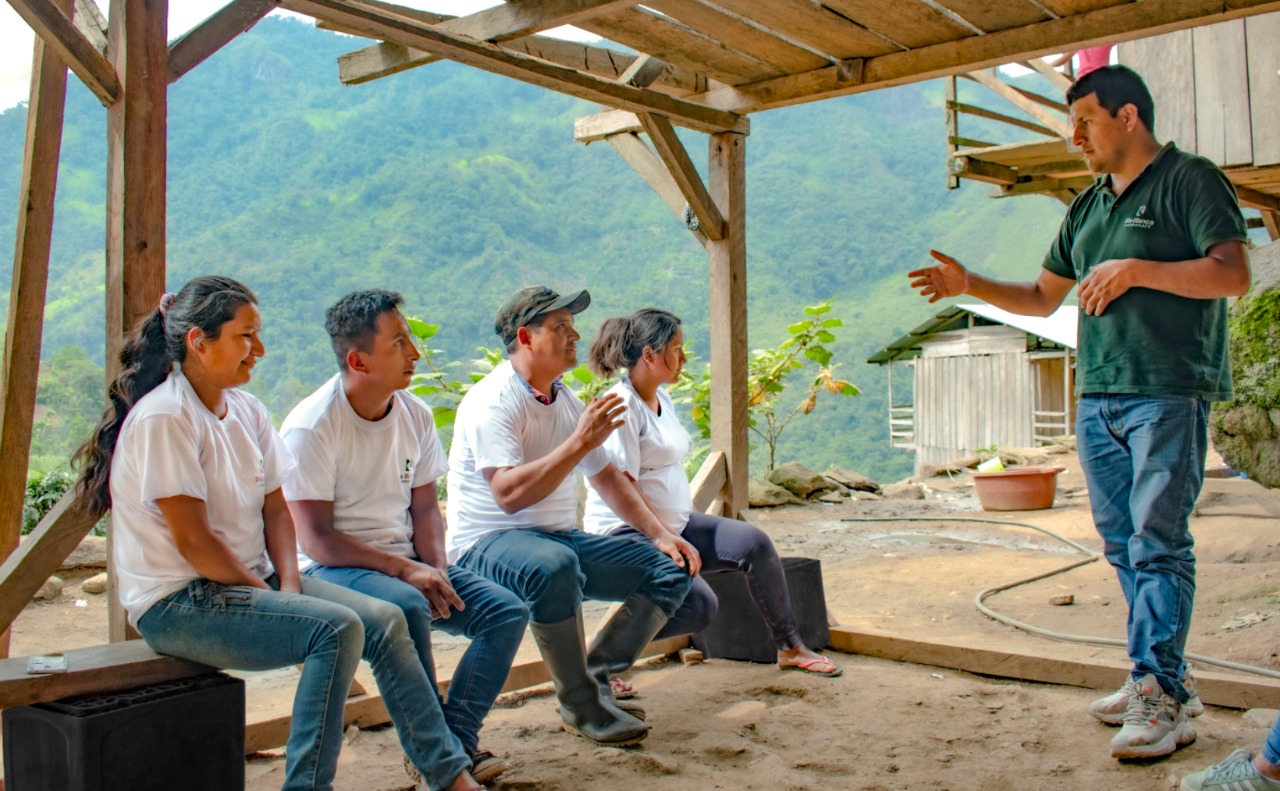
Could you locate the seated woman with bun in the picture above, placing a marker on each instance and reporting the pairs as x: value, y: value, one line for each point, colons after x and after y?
x: 191, y: 470
x: 650, y: 448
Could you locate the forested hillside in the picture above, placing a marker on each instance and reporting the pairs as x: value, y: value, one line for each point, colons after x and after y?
x: 454, y: 187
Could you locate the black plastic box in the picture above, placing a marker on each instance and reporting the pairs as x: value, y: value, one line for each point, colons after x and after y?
x: 186, y: 734
x: 738, y: 631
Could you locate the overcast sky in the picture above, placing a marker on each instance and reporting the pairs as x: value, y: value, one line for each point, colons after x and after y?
x: 16, y: 37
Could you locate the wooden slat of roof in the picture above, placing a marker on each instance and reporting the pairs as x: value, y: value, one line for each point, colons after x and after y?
x: 670, y: 41
x: 739, y: 35
x: 910, y: 23
x: 993, y: 15
x: 1069, y: 7
x: 814, y: 26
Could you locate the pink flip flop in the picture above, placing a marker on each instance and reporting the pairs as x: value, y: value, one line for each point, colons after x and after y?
x: 811, y: 666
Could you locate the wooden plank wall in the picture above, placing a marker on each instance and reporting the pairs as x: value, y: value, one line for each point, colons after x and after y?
x: 1223, y: 131
x: 966, y: 403
x: 1262, y: 38
x: 1166, y: 63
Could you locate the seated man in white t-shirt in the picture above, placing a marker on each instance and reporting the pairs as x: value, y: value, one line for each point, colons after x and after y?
x: 363, y: 497
x: 519, y: 435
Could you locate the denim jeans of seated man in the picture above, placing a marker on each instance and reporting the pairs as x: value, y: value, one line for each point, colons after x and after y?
x: 553, y: 570
x: 493, y: 619
x: 1143, y: 460
x: 327, y: 628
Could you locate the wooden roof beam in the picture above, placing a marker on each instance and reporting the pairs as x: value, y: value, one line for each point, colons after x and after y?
x: 214, y: 33
x: 1090, y: 28
x: 992, y: 115
x: 1004, y: 91
x: 89, y: 20
x: 492, y: 58
x: 1060, y: 81
x: 982, y: 170
x: 649, y: 167
x: 677, y: 160
x: 62, y: 36
x: 1047, y: 185
x: 1254, y: 199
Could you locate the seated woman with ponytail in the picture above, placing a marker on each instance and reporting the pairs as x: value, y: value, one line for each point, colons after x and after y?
x: 191, y: 470
x: 650, y: 449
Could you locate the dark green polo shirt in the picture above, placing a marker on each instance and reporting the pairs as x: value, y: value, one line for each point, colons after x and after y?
x: 1152, y: 342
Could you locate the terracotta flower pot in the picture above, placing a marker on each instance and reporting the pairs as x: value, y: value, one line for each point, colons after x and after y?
x: 1022, y: 489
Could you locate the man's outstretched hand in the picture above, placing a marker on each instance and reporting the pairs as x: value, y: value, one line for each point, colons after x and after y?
x: 948, y: 279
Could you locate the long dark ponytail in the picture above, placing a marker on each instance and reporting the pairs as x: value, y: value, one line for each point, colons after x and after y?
x: 147, y: 356
x: 621, y: 341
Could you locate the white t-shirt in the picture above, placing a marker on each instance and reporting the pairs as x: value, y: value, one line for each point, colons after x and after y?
x: 501, y: 424
x: 170, y: 445
x: 651, y: 448
x: 367, y: 469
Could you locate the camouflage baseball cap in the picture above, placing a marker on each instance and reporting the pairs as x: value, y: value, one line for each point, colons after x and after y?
x: 530, y: 302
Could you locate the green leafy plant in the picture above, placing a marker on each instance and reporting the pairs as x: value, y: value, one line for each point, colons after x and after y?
x: 768, y: 375
x: 44, y: 489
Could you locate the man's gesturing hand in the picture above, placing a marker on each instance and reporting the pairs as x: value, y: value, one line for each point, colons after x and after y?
x: 948, y: 279
x: 600, y: 419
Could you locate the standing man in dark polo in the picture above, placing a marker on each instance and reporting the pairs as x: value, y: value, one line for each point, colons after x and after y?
x: 1156, y: 246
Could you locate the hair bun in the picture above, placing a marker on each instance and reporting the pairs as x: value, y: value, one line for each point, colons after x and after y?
x: 166, y: 302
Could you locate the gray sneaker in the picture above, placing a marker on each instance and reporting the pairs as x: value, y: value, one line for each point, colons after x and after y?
x: 1113, y: 707
x: 1154, y: 724
x: 1236, y: 773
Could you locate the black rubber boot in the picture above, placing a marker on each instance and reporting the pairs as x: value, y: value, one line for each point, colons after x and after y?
x: 581, y: 708
x: 618, y: 644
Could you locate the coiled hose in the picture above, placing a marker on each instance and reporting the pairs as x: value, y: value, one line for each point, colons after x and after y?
x: 979, y: 601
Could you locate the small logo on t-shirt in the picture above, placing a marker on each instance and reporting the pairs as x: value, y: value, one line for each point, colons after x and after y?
x: 407, y: 475
x: 1138, y: 220
x: 260, y: 477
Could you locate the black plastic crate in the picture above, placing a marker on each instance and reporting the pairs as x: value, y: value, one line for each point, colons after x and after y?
x: 738, y: 631
x: 186, y: 734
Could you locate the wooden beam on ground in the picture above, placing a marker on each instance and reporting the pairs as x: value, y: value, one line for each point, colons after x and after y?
x: 101, y: 670
x: 727, y: 262
x: 674, y: 156
x: 89, y: 20
x: 1254, y: 199
x: 992, y: 115
x: 137, y: 146
x: 33, y: 237
x: 709, y: 481
x: 53, y: 24
x: 1060, y: 81
x: 369, y: 710
x: 1217, y: 689
x: 1108, y: 25
x: 215, y: 32
x: 982, y: 170
x: 27, y: 567
x: 646, y: 163
x: 492, y: 58
x: 1005, y: 91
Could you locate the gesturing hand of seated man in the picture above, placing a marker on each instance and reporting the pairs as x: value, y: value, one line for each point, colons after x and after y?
x: 435, y: 586
x: 600, y: 419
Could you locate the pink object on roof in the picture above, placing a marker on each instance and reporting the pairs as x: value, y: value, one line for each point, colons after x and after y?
x: 1091, y: 59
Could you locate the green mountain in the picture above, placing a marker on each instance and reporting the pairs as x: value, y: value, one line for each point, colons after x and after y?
x: 454, y: 187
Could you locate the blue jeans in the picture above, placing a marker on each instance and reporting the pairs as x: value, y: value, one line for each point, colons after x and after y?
x: 1271, y: 750
x: 1143, y: 459
x: 326, y: 630
x: 727, y: 545
x: 494, y: 621
x: 553, y: 570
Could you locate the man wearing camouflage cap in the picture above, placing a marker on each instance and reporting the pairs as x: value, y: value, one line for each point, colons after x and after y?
x: 519, y: 435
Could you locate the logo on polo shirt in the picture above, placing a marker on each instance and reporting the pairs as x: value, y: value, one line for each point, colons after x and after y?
x: 1138, y: 220
x: 260, y: 477
x: 407, y: 475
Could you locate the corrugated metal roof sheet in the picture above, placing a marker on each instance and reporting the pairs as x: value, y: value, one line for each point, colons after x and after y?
x: 1059, y: 328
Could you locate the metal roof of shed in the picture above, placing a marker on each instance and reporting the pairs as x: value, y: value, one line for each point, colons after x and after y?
x: 1059, y: 328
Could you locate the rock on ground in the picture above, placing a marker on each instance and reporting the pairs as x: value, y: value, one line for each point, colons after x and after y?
x: 762, y: 494
x: 853, y: 480
x: 904, y: 490
x: 51, y: 589
x: 799, y: 479
x: 95, y: 584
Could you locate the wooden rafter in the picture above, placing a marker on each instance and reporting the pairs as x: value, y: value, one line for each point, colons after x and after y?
x: 1047, y: 184
x: 55, y: 27
x: 27, y: 289
x: 1004, y: 91
x: 1089, y: 28
x: 492, y: 58
x: 604, y: 124
x: 992, y: 115
x: 649, y: 167
x: 215, y: 32
x: 814, y: 26
x: 673, y: 155
x: 740, y: 36
x: 1060, y: 81
x: 89, y: 20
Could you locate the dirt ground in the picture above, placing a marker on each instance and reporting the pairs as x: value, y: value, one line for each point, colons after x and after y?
x: 884, y: 725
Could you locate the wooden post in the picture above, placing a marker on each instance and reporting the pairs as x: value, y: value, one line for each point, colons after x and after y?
x: 137, y: 137
x: 727, y: 258
x: 27, y: 291
x: 953, y: 132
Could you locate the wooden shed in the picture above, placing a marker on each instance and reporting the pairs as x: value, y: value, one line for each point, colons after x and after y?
x: 981, y: 376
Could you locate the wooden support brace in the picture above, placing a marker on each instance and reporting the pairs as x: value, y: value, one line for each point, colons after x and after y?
x: 646, y: 163
x: 1019, y: 100
x: 967, y: 142
x: 89, y: 20
x: 982, y: 112
x: 674, y: 156
x: 28, y: 566
x: 953, y: 128
x: 1271, y: 221
x: 1254, y: 199
x: 215, y: 32
x: 1046, y: 185
x: 982, y: 170
x: 27, y: 289
x: 642, y: 72
x: 55, y: 27
x: 1060, y: 81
